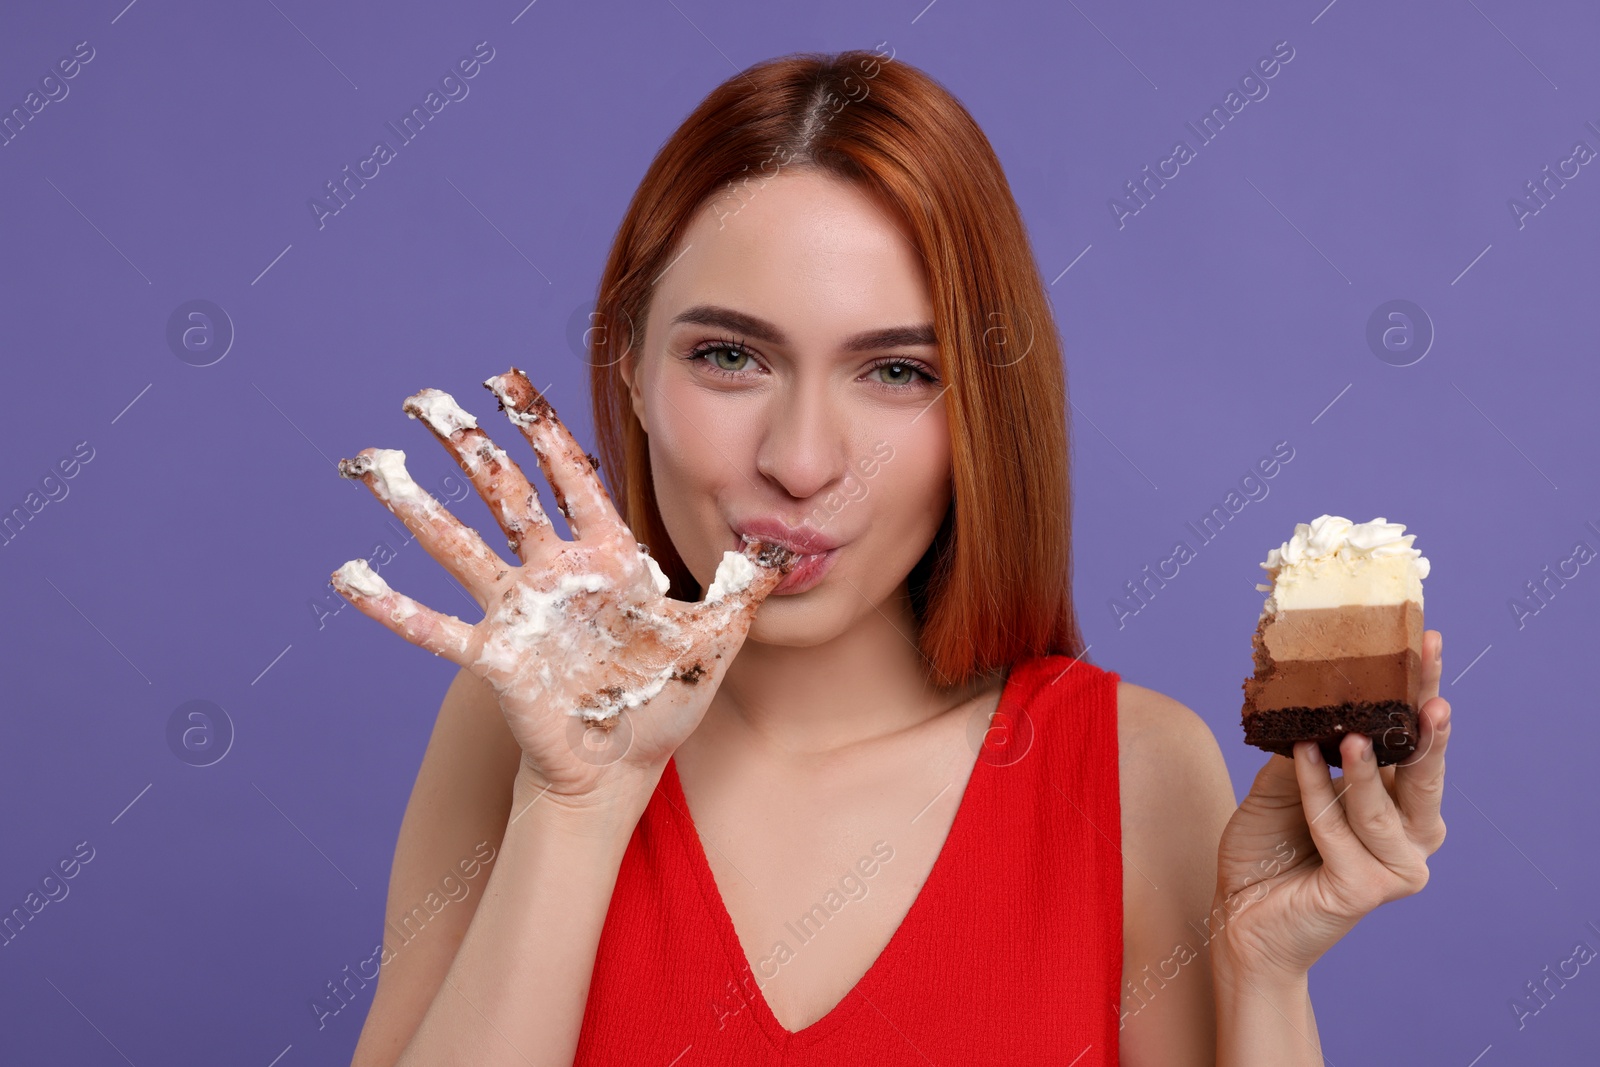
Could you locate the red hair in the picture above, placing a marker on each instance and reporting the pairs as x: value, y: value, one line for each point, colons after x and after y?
x: 995, y: 586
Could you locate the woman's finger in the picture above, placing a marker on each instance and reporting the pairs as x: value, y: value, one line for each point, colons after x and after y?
x: 1432, y: 665
x: 579, y: 493
x: 732, y: 610
x: 1399, y: 735
x: 1369, y: 810
x: 458, y: 548
x: 1336, y: 842
x: 1419, y: 783
x: 497, y: 478
x: 443, y: 635
x: 743, y: 580
x: 1432, y: 670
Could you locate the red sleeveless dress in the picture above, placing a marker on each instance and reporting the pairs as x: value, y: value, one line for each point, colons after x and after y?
x: 1011, y: 952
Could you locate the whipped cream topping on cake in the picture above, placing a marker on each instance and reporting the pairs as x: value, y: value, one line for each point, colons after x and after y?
x: 1332, y: 561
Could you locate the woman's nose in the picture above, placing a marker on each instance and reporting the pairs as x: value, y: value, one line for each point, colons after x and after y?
x: 804, y: 449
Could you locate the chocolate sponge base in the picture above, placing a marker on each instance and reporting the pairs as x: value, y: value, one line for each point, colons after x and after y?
x: 1392, y: 726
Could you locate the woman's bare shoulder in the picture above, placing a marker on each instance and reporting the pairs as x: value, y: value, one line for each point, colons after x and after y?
x: 1176, y: 800
x: 1175, y: 784
x: 1176, y: 794
x: 1154, y: 726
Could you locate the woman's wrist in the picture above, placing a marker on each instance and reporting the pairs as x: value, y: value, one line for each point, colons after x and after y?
x: 1235, y: 975
x: 1245, y: 966
x: 1264, y: 1012
x: 620, y: 798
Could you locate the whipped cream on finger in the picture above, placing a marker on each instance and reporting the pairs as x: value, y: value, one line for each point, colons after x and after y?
x: 734, y: 575
x: 439, y: 410
x: 360, y: 577
x: 501, y: 386
x: 657, y: 575
x: 577, y: 488
x: 484, y: 451
x: 390, y: 479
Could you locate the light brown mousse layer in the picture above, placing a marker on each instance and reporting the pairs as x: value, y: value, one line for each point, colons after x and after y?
x: 1354, y: 631
x: 1328, y: 656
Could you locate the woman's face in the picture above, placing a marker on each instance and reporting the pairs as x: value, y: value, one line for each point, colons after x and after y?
x: 791, y: 389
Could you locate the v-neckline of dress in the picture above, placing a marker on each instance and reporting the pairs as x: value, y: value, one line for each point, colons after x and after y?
x: 856, y: 995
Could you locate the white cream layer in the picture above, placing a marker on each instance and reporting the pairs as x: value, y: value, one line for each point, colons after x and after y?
x: 1332, y: 562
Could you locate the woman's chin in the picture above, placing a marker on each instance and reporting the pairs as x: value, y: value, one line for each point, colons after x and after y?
x: 803, y: 620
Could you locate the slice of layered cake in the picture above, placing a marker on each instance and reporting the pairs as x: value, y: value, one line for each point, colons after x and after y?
x: 1338, y: 647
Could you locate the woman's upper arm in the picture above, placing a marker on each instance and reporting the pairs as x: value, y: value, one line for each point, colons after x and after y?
x: 451, y: 831
x: 1177, y: 798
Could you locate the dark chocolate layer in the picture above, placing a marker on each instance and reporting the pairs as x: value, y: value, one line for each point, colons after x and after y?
x: 1392, y: 726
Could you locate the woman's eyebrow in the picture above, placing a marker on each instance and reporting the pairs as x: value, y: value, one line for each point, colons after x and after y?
x: 762, y: 330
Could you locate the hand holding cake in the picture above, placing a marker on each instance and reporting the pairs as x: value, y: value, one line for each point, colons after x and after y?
x: 1345, y: 676
x: 582, y: 629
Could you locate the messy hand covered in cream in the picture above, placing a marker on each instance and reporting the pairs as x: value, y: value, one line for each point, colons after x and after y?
x: 583, y: 628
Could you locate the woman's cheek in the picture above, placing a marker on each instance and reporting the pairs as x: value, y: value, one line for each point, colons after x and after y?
x: 907, y: 499
x: 679, y: 443
x: 672, y: 470
x: 696, y: 446
x: 920, y: 470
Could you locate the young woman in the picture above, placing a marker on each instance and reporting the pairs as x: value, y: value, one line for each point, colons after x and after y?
x: 851, y: 793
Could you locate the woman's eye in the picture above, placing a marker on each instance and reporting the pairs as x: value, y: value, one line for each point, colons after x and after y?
x: 728, y: 358
x: 725, y: 358
x: 897, y: 373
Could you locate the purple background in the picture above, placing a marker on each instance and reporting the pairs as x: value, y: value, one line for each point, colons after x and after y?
x: 1229, y: 314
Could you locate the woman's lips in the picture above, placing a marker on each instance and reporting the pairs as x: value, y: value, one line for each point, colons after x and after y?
x: 807, y: 572
x: 809, y: 568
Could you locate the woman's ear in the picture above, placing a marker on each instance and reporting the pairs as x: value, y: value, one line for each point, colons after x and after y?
x: 629, y: 371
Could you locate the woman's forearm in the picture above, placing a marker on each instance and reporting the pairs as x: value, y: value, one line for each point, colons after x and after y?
x: 516, y: 990
x: 1263, y: 1020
